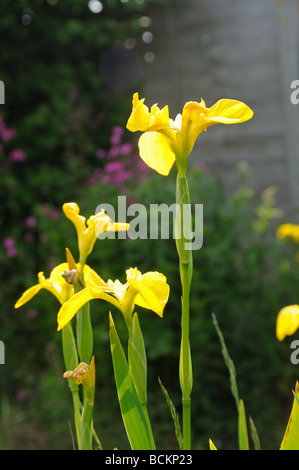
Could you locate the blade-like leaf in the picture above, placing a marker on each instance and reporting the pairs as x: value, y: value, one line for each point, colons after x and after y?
x: 242, y: 428
x: 131, y: 409
x: 291, y: 437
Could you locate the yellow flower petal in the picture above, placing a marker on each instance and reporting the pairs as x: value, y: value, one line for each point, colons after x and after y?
x: 142, y: 119
x: 71, y: 211
x: 92, y: 279
x: 156, y: 150
x: 288, y: 230
x: 229, y: 112
x: 71, y: 307
x: 287, y: 321
x: 28, y: 295
x: 56, y: 283
x: 153, y: 291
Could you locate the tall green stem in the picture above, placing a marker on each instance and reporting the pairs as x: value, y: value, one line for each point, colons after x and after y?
x: 183, y: 237
x: 71, y: 361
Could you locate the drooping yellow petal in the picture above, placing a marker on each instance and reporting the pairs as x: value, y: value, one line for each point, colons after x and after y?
x: 71, y: 307
x: 287, y: 321
x: 153, y: 290
x: 56, y: 283
x: 28, y: 295
x: 156, y: 150
x: 147, y: 297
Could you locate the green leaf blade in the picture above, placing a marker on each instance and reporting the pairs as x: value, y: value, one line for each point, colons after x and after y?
x: 132, y: 413
x: 291, y: 437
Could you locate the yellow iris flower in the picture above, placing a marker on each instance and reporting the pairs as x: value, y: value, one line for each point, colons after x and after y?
x: 148, y: 290
x: 165, y: 141
x: 57, y: 285
x: 88, y: 231
x: 288, y: 230
x: 287, y: 321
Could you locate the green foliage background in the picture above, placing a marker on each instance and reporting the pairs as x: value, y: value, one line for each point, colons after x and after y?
x: 62, y: 111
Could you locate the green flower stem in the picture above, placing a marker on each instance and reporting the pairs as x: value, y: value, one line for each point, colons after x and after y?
x: 183, y: 238
x: 70, y: 355
x: 84, y: 330
x: 87, y: 425
x: 77, y: 406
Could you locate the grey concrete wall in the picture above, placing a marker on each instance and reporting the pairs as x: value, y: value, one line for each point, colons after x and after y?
x: 239, y: 49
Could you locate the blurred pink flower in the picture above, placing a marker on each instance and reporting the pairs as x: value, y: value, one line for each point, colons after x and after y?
x: 17, y: 155
x: 116, y: 136
x: 31, y: 221
x: 126, y: 148
x: 9, y: 245
x: 7, y: 133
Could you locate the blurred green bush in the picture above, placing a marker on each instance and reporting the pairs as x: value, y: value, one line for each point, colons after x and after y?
x: 62, y: 139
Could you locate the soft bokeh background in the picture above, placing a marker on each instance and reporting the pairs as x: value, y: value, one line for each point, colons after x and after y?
x: 70, y: 69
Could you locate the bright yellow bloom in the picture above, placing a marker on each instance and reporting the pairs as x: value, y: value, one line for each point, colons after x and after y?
x: 287, y: 321
x: 288, y: 230
x: 57, y: 285
x: 149, y: 291
x: 88, y: 231
x: 165, y: 141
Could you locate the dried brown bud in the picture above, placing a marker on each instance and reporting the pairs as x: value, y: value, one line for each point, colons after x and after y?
x: 72, y: 276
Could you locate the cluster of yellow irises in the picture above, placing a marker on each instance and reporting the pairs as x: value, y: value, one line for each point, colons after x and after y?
x: 162, y: 143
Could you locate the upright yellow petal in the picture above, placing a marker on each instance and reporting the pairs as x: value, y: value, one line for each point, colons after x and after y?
x: 193, y: 122
x: 156, y: 150
x: 287, y: 321
x: 141, y: 119
x: 72, y: 212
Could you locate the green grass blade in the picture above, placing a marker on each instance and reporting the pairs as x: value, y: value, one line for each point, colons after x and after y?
x: 254, y: 435
x: 174, y: 415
